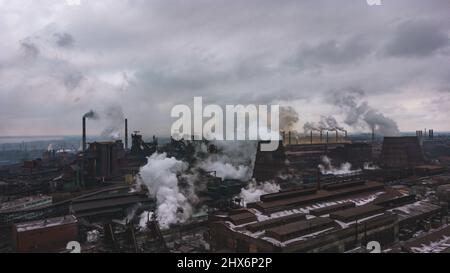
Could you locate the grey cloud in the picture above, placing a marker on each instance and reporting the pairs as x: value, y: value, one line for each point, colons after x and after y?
x: 331, y: 52
x: 417, y: 39
x: 29, y: 49
x: 360, y: 114
x: 72, y: 80
x: 149, y: 55
x: 64, y: 40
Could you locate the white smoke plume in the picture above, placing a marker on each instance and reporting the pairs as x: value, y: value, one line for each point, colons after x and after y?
x: 144, y: 218
x: 359, y: 114
x: 288, y: 119
x: 227, y: 170
x: 160, y: 175
x: 254, y: 191
x: 326, y: 123
x: 311, y: 126
x: 115, y: 118
x: 234, y: 160
x: 328, y: 168
x: 370, y: 166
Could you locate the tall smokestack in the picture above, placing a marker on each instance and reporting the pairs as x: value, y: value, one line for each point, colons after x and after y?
x: 311, y: 137
x: 84, y: 135
x: 126, y: 134
x: 321, y: 136
x: 373, y: 134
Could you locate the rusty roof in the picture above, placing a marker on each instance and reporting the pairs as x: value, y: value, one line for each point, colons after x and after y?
x: 46, y: 223
x: 356, y: 213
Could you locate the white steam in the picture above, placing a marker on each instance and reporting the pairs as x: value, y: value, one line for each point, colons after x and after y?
x: 144, y: 218
x: 370, y: 166
x: 254, y: 191
x: 328, y: 168
x: 227, y: 170
x: 160, y: 175
x: 235, y: 160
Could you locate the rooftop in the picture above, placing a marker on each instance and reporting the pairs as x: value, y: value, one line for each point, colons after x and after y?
x: 42, y: 224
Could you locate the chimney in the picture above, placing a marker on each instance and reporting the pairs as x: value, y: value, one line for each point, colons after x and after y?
x: 311, y: 137
x: 346, y: 135
x: 373, y: 134
x: 321, y: 136
x: 126, y: 134
x: 290, y: 133
x: 328, y: 137
x: 84, y: 135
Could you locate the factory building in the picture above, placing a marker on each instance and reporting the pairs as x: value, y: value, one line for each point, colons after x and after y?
x: 46, y: 235
x: 336, y: 218
x: 104, y: 159
x: 401, y: 152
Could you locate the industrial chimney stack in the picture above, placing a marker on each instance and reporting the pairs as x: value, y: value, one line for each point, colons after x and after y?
x: 84, y: 135
x: 126, y: 134
x: 373, y: 134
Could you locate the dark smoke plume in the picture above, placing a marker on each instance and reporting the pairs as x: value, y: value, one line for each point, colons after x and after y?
x: 91, y: 115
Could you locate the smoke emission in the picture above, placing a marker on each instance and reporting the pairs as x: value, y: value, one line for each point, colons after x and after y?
x: 160, y: 175
x: 326, y: 123
x: 144, y: 218
x: 115, y: 118
x: 234, y: 160
x: 327, y: 167
x: 288, y: 119
x: 91, y: 115
x: 359, y: 114
x: 254, y: 191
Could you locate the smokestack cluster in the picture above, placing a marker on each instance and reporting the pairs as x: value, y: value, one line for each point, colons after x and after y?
x: 420, y: 134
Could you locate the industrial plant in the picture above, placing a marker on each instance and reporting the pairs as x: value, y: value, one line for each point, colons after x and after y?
x: 322, y: 191
x: 208, y: 129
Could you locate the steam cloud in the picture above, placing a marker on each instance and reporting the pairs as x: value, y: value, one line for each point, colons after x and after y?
x: 288, y: 119
x: 328, y: 168
x: 253, y: 192
x: 115, y: 117
x: 235, y: 160
x: 326, y: 123
x: 160, y: 175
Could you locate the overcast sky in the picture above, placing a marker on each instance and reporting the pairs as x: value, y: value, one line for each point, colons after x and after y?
x: 60, y: 59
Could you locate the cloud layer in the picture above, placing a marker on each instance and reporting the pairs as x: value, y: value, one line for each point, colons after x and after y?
x: 58, y: 59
